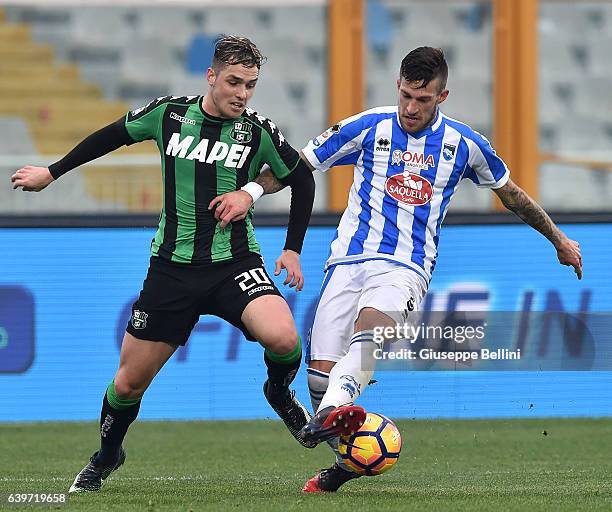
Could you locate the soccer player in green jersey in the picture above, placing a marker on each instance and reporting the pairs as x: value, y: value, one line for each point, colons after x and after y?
x: 210, y: 145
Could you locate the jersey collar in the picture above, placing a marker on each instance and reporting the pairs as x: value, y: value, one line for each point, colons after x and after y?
x: 427, y: 131
x: 211, y: 118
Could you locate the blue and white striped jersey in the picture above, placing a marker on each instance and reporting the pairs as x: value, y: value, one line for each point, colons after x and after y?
x: 403, y: 183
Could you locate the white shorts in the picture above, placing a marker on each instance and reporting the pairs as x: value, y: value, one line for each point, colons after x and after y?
x: 347, y: 289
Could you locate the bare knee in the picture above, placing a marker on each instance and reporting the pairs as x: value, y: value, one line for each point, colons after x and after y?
x: 282, y: 340
x: 370, y: 318
x: 321, y: 365
x: 129, y: 387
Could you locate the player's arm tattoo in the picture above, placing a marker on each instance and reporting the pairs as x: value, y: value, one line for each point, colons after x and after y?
x: 516, y: 200
x: 269, y: 182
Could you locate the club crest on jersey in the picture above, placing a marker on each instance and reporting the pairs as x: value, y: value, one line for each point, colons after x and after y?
x: 412, y: 159
x: 448, y: 152
x: 317, y: 141
x: 241, y: 132
x: 409, y: 188
x: 139, y: 319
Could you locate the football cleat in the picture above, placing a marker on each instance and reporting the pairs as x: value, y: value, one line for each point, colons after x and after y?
x: 333, y: 422
x: 329, y: 480
x: 92, y: 476
x: 290, y: 410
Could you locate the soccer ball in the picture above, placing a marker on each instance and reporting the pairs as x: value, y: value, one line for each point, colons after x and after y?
x: 374, y: 448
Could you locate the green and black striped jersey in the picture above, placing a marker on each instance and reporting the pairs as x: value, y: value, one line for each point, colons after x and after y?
x: 203, y: 156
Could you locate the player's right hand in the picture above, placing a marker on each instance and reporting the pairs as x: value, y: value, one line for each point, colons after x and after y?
x: 231, y: 206
x: 31, y: 179
x: 568, y: 252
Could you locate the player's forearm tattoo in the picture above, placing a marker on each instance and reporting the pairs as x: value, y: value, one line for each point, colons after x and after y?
x: 515, y: 199
x: 269, y: 182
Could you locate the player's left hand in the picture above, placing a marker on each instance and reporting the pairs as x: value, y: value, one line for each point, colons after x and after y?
x: 290, y: 260
x: 231, y: 206
x: 568, y: 252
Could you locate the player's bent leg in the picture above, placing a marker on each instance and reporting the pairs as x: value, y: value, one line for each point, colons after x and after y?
x: 318, y: 380
x: 336, y: 415
x: 269, y: 319
x: 353, y: 372
x: 283, y: 354
x: 330, y: 479
x: 140, y: 361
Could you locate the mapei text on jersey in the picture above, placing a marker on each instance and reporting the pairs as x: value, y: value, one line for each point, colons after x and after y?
x: 234, y: 154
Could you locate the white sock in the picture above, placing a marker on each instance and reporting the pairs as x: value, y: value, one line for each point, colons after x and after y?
x: 352, y: 373
x: 317, y: 385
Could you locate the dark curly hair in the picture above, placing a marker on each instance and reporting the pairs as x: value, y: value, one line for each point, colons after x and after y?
x: 231, y: 49
x: 425, y: 64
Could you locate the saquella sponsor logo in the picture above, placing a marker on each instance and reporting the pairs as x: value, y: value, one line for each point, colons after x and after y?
x: 409, y: 188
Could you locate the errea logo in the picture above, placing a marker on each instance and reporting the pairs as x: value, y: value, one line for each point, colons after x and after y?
x: 383, y: 144
x: 233, y: 155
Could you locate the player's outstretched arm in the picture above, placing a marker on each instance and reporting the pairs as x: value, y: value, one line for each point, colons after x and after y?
x: 235, y: 205
x: 518, y: 201
x: 105, y: 140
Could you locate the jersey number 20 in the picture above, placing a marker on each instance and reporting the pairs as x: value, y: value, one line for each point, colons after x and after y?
x: 251, y: 278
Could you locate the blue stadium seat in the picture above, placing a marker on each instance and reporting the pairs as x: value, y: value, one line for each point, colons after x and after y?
x: 200, y: 53
x: 379, y: 28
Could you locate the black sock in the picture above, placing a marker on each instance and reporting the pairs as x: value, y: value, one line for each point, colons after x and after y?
x: 114, y: 424
x: 281, y: 375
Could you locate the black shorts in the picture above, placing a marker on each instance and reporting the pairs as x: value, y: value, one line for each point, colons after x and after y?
x: 174, y: 295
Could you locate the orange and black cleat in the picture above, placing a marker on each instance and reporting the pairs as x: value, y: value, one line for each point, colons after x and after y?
x: 329, y: 480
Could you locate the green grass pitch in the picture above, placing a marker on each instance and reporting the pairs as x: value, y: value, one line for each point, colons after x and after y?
x: 536, y: 464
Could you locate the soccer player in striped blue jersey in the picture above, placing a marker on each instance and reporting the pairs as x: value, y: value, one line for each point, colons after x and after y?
x: 408, y: 161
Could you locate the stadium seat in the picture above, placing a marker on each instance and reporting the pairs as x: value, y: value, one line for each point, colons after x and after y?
x: 559, y: 185
x: 600, y: 56
x: 469, y: 101
x: 306, y: 25
x: 583, y: 134
x: 92, y: 25
x: 16, y: 137
x: 47, y: 25
x: 382, y: 89
x: 200, y: 52
x: 173, y: 26
x: 141, y: 79
x: 245, y: 21
x: 594, y: 99
x: 553, y: 101
x: 379, y: 29
x: 558, y: 57
x: 473, y: 56
x: 563, y: 20
x: 183, y: 84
